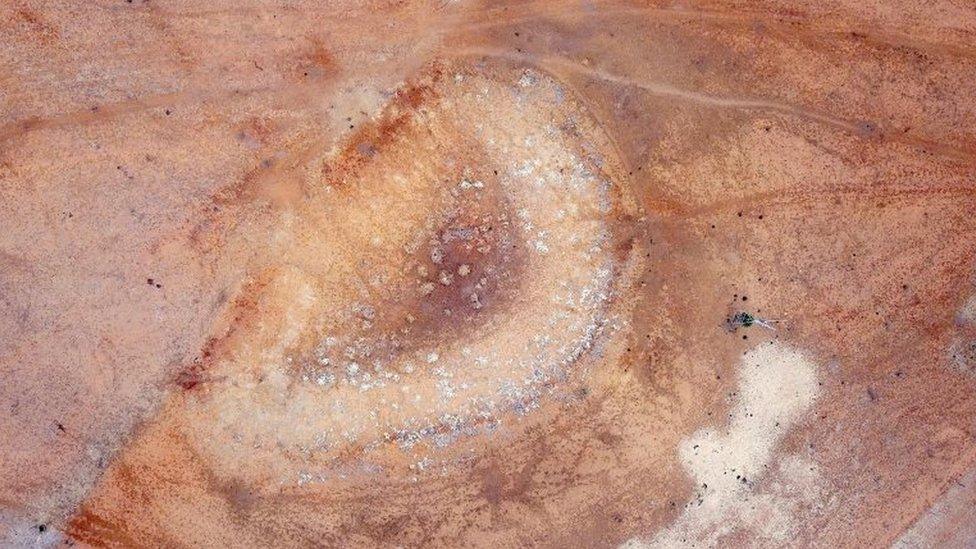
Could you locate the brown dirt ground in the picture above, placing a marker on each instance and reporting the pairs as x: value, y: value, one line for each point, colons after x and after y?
x: 452, y: 273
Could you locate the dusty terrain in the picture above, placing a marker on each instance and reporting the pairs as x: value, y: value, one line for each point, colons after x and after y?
x: 451, y: 273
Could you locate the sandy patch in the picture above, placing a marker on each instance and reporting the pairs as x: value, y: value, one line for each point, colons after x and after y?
x: 777, y: 385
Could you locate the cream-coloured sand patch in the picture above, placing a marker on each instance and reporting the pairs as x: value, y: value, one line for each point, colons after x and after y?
x: 777, y: 385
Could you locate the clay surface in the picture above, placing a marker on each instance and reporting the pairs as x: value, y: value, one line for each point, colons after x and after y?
x: 487, y: 274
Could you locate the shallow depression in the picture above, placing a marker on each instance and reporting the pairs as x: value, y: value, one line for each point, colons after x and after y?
x: 486, y: 210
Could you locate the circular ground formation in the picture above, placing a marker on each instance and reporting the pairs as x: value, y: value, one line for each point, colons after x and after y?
x: 454, y: 264
x: 451, y: 270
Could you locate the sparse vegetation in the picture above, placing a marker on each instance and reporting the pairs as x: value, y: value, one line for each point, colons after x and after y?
x: 743, y: 319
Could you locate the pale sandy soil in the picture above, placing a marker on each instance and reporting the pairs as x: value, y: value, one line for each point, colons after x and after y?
x: 454, y: 273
